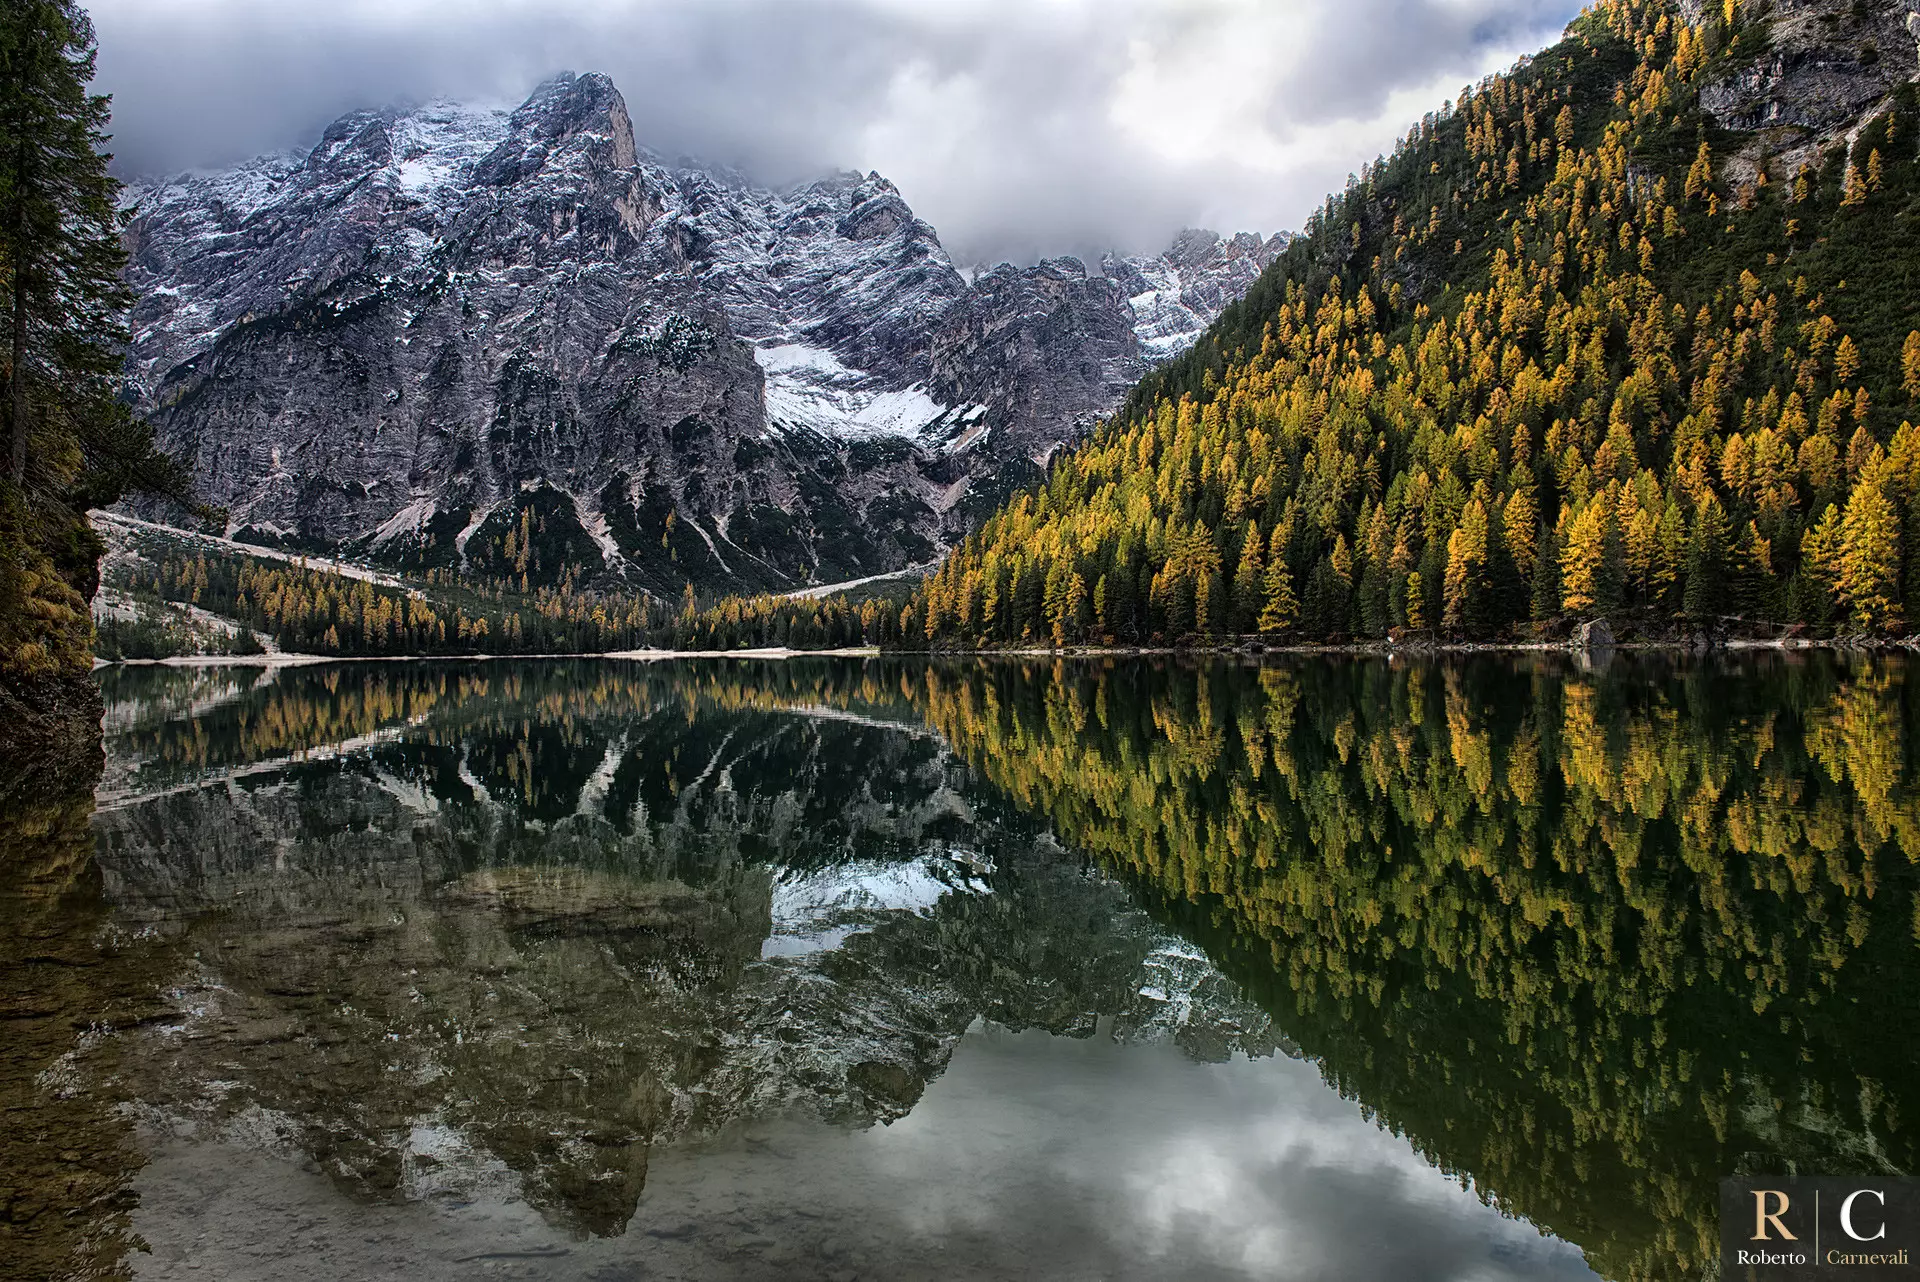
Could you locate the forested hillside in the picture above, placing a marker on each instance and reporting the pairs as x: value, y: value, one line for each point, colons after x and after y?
x: 1574, y: 349
x: 70, y: 442
x: 167, y: 593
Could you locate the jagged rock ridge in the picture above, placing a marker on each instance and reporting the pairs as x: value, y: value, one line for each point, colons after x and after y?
x: 446, y: 326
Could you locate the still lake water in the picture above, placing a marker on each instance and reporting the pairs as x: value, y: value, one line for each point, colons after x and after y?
x: 883, y: 969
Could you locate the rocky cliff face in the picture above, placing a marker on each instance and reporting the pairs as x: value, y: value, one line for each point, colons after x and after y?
x: 1806, y: 74
x: 520, y: 343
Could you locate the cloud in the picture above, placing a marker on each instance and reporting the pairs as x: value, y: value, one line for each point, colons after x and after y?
x: 1017, y: 127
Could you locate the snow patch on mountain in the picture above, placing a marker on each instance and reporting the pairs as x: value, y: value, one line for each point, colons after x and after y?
x: 1165, y: 325
x: 1175, y: 295
x: 808, y: 388
x: 440, y: 143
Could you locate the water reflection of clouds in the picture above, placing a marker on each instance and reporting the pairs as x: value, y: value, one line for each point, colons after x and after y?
x: 1032, y: 1157
x: 1133, y: 1160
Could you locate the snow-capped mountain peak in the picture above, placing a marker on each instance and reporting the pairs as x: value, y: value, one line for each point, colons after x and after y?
x: 392, y: 340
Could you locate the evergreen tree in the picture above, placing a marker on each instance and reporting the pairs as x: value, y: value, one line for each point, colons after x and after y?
x: 70, y: 443
x: 1668, y: 561
x: 1466, y: 580
x: 1820, y: 557
x: 1546, y: 577
x: 1432, y: 586
x: 1281, y: 607
x: 1123, y: 599
x: 1375, y: 603
x: 1706, y: 588
x: 1581, y: 571
x: 1209, y: 601
x: 1610, y: 580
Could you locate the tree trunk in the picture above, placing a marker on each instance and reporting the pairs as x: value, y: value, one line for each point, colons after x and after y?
x: 17, y: 374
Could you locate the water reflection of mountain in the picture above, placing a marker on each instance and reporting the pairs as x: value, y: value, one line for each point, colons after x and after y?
x: 533, y: 921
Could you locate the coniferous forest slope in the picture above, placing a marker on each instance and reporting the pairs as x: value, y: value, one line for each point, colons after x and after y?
x: 70, y: 441
x: 1581, y: 346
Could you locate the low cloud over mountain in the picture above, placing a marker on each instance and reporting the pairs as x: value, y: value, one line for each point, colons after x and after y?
x: 1019, y: 129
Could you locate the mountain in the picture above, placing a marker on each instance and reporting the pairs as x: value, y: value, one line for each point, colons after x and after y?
x: 1629, y: 330
x: 520, y: 343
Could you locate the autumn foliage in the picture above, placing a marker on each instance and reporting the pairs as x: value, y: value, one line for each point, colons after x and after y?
x: 1553, y: 358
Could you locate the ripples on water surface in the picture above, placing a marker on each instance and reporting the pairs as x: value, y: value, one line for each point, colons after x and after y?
x: 876, y: 969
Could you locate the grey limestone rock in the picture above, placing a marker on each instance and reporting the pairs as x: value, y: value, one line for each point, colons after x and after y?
x: 443, y: 325
x: 1818, y: 70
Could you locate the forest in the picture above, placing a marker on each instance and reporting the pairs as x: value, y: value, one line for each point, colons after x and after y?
x: 310, y: 609
x: 70, y: 442
x: 1555, y: 358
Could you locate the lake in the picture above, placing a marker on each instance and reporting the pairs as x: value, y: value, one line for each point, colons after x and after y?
x: 884, y: 968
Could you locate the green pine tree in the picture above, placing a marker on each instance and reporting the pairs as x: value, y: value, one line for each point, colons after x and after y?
x: 1546, y: 576
x: 1707, y: 553
x: 70, y: 443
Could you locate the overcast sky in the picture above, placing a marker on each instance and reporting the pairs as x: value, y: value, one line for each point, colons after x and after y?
x: 1017, y: 127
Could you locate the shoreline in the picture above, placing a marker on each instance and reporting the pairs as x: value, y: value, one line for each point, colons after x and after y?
x: 1385, y: 649
x: 1356, y: 649
x: 291, y: 659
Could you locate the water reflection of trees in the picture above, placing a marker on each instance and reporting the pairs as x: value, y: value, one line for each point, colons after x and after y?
x: 68, y: 981
x: 172, y: 726
x: 1593, y: 942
